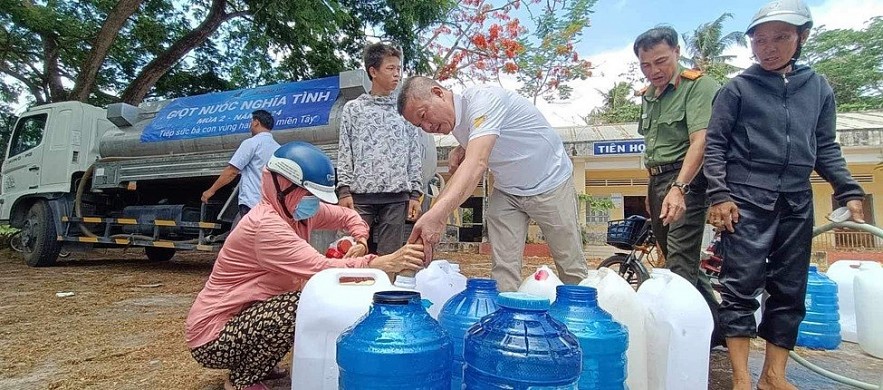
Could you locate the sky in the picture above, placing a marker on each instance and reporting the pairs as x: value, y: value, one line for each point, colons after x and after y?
x: 607, y: 42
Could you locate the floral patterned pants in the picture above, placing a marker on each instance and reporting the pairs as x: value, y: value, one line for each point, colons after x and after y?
x: 254, y: 341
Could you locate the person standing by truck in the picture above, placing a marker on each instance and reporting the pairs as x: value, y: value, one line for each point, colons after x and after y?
x: 249, y: 160
x: 379, y: 163
x: 243, y: 319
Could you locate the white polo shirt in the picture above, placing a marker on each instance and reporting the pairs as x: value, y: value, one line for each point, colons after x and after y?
x: 250, y: 159
x: 528, y: 157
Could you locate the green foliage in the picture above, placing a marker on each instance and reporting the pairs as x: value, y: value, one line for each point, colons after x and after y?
x: 706, y: 45
x: 481, y: 41
x: 852, y: 61
x: 596, y: 203
x: 175, y: 48
x: 550, y: 62
x: 618, y: 106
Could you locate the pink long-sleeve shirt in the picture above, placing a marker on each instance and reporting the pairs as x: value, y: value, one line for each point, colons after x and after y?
x: 267, y: 255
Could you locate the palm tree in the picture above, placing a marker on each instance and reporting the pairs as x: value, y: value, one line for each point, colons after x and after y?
x: 706, y: 46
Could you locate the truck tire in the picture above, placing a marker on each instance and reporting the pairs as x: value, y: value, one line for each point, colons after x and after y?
x: 39, y: 239
x: 157, y: 254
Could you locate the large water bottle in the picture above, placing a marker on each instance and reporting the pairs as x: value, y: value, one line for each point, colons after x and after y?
x: 617, y: 297
x: 843, y: 272
x: 521, y: 347
x: 397, y: 345
x: 541, y: 283
x: 603, y: 341
x: 678, y: 332
x: 461, y: 312
x: 331, y: 302
x: 437, y: 283
x: 868, y: 311
x: 820, y: 328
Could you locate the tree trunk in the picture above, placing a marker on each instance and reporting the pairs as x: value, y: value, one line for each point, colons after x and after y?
x: 100, y: 46
x: 151, y: 73
x: 51, y: 70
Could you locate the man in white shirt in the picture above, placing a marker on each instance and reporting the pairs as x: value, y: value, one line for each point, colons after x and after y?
x: 250, y: 159
x: 499, y: 130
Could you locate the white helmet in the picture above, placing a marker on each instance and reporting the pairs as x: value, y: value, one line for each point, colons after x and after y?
x: 793, y: 12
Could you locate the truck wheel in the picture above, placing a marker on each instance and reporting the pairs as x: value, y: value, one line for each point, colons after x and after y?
x: 157, y: 254
x: 38, y: 237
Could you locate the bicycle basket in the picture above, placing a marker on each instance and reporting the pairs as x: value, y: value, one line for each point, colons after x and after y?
x: 624, y: 233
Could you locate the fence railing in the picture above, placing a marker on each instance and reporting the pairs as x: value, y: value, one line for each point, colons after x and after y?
x: 847, y: 241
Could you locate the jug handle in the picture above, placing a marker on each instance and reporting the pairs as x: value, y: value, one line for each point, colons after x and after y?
x: 334, y: 275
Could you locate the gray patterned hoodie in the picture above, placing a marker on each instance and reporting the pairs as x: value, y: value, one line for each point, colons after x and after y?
x: 379, y: 153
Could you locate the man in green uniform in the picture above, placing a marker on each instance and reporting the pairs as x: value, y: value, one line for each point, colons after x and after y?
x: 675, y: 110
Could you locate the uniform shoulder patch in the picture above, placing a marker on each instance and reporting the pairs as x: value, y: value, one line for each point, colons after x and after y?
x: 476, y: 123
x: 691, y: 74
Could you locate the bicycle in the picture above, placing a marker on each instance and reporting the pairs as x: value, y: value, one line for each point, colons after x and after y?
x: 21, y: 244
x: 635, y: 235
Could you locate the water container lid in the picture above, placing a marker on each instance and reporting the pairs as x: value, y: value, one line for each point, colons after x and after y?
x: 482, y: 283
x: 523, y: 301
x: 813, y: 268
x: 396, y: 297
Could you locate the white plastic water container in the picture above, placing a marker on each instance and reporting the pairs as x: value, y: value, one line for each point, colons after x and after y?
x: 843, y: 273
x: 328, y: 305
x: 541, y: 283
x: 678, y: 332
x: 869, y: 311
x: 617, y: 297
x: 438, y: 282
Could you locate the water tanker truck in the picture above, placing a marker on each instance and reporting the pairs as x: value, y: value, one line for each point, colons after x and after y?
x: 78, y: 177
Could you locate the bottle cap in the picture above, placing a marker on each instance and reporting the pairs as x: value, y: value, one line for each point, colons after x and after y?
x: 396, y: 297
x: 405, y: 282
x: 523, y: 301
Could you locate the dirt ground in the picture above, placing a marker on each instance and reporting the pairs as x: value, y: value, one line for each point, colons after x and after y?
x: 123, y: 327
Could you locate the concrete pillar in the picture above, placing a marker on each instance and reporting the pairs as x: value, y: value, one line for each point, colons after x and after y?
x: 579, y: 184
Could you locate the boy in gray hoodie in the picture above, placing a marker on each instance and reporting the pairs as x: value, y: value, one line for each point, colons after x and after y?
x: 379, y: 166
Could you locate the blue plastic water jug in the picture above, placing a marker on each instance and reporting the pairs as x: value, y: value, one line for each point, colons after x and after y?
x: 461, y: 312
x: 820, y: 328
x: 521, y: 347
x: 397, y: 345
x: 603, y: 340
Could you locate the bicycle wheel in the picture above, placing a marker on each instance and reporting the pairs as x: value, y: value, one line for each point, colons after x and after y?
x: 626, y: 267
x: 15, y: 242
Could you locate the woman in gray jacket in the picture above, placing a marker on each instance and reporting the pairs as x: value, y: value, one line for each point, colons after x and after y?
x: 770, y: 127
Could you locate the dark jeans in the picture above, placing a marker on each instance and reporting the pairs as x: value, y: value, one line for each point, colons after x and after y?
x: 784, y: 238
x: 681, y: 240
x: 387, y: 225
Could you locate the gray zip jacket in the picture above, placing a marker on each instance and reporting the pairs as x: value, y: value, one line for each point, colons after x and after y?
x: 379, y: 152
x: 769, y: 132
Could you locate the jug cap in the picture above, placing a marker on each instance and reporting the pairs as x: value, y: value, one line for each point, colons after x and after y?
x: 396, y: 297
x: 482, y: 283
x: 523, y: 301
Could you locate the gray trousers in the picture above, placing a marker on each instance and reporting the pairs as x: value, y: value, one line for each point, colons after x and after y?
x: 387, y: 224
x: 556, y: 214
x: 681, y: 241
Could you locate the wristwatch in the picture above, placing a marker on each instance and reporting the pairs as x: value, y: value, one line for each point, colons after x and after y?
x: 684, y: 187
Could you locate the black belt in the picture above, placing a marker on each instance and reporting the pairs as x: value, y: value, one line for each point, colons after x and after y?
x: 660, y: 169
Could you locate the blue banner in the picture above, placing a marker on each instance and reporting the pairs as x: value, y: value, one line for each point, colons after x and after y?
x: 618, y: 147
x: 293, y: 105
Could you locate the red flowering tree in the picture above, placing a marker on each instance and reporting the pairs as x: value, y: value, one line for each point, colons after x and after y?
x: 482, y: 40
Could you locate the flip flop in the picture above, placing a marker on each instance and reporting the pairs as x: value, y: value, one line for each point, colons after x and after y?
x: 277, y: 373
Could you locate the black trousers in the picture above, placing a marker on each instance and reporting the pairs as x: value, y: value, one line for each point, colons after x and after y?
x: 387, y: 225
x: 771, y: 251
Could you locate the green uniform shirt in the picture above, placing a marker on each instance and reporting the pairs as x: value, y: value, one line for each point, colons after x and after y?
x: 668, y: 120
